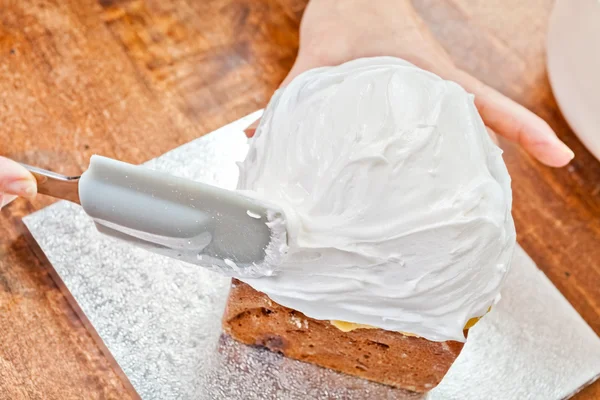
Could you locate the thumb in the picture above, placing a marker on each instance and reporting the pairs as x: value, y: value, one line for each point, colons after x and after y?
x: 16, y: 180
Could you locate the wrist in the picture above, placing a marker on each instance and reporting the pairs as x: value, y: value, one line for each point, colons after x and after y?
x: 336, y: 31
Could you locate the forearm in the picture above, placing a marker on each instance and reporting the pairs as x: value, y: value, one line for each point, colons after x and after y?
x: 357, y: 20
x: 336, y: 31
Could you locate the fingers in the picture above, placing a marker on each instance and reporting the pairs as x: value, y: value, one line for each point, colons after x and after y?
x: 515, y: 122
x: 16, y: 180
x: 250, y: 130
x: 493, y: 135
x: 504, y: 116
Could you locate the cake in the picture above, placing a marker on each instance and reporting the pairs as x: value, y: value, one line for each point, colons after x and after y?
x: 399, y: 229
x: 392, y: 358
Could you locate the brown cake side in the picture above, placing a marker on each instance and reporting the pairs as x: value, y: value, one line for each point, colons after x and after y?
x: 391, y: 358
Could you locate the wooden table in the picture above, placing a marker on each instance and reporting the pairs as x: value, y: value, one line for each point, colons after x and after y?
x: 132, y: 79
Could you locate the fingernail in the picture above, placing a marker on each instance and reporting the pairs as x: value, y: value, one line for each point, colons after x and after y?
x: 564, y: 148
x: 22, y: 187
x: 569, y: 152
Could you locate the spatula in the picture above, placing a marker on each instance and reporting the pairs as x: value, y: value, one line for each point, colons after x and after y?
x: 197, y: 223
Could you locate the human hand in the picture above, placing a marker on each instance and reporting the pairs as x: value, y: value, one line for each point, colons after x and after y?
x: 334, y: 31
x: 15, y: 180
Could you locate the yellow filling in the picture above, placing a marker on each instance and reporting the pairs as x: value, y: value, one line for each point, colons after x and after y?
x: 350, y: 326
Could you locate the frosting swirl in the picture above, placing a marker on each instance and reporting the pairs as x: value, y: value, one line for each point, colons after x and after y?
x: 398, y: 202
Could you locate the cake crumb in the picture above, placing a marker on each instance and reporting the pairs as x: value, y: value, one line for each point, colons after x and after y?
x: 296, y: 321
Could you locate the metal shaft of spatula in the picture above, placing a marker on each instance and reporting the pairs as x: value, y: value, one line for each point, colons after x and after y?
x: 187, y: 220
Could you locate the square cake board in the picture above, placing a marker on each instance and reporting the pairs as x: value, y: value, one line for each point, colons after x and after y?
x: 160, y: 319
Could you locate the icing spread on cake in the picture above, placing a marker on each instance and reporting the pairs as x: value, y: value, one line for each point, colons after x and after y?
x: 398, y: 203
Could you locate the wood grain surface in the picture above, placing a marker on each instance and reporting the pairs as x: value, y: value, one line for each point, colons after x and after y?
x: 132, y: 79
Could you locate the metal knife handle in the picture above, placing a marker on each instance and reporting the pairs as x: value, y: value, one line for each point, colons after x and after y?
x: 56, y: 185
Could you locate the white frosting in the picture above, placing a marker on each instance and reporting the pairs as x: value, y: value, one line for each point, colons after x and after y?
x: 398, y: 203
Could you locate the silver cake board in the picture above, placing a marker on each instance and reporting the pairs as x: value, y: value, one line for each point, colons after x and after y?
x: 161, y: 319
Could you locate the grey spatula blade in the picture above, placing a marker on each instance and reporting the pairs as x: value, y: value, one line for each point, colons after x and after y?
x: 191, y: 221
